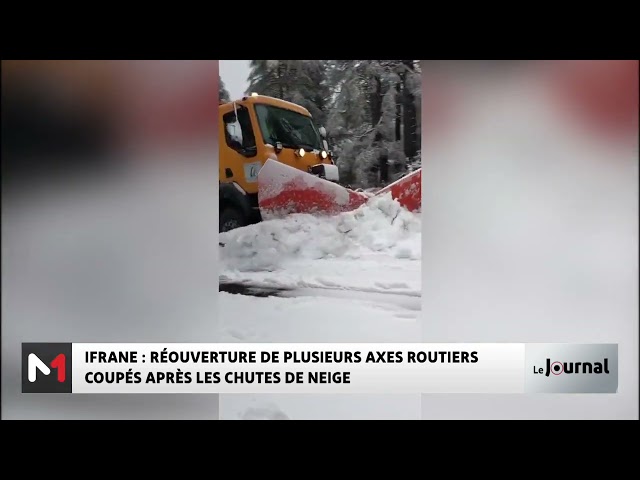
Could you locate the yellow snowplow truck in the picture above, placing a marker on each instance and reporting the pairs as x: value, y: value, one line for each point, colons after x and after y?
x: 257, y: 129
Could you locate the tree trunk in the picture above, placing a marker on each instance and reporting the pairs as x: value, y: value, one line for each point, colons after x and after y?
x: 410, y: 115
x: 375, y: 100
x: 398, y: 112
x: 281, y: 78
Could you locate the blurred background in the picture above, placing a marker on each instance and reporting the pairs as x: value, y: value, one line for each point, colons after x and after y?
x: 109, y: 218
x: 531, y: 219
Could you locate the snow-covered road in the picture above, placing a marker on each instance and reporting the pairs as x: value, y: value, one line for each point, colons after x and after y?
x: 355, y: 277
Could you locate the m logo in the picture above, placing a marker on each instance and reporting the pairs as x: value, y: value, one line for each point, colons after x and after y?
x: 46, y: 367
x: 36, y: 364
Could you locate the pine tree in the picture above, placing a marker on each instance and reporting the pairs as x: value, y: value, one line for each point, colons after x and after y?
x: 223, y: 94
x: 299, y: 81
x: 367, y: 106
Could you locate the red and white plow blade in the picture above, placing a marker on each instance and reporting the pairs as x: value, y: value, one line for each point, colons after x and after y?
x: 283, y: 190
x: 407, y: 191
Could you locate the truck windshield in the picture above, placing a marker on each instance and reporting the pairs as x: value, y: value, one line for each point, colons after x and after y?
x: 291, y: 129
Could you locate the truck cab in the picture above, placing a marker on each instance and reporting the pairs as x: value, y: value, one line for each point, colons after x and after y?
x: 253, y: 130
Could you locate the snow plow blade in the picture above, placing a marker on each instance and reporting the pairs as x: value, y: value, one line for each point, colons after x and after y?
x: 407, y: 191
x: 283, y: 190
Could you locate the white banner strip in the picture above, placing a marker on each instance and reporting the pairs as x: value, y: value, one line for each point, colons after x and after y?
x: 298, y: 368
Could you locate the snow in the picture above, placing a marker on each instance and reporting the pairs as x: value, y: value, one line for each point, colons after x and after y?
x: 331, y: 172
x: 377, y: 231
x: 353, y: 277
x: 276, y: 176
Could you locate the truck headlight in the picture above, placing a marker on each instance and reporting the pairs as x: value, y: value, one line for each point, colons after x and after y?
x: 300, y: 152
x: 323, y: 154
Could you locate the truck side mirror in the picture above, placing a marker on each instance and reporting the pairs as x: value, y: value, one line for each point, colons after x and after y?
x: 325, y: 145
x: 323, y: 132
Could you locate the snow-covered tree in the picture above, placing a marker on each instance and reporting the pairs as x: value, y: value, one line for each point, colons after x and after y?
x: 223, y: 94
x: 298, y: 81
x: 370, y: 108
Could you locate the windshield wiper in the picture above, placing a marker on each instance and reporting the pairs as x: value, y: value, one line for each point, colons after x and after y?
x: 286, y: 145
x: 296, y: 145
x: 308, y: 145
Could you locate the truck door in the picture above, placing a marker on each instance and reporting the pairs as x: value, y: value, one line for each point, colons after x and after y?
x: 241, y: 156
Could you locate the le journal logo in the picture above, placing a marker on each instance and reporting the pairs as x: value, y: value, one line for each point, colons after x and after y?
x: 573, y: 368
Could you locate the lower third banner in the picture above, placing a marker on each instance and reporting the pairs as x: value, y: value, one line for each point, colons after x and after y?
x: 85, y: 368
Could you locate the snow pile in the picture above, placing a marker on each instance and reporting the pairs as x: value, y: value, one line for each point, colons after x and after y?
x: 352, y: 277
x: 380, y: 227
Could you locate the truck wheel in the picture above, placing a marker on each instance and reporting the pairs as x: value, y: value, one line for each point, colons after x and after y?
x: 231, y: 218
